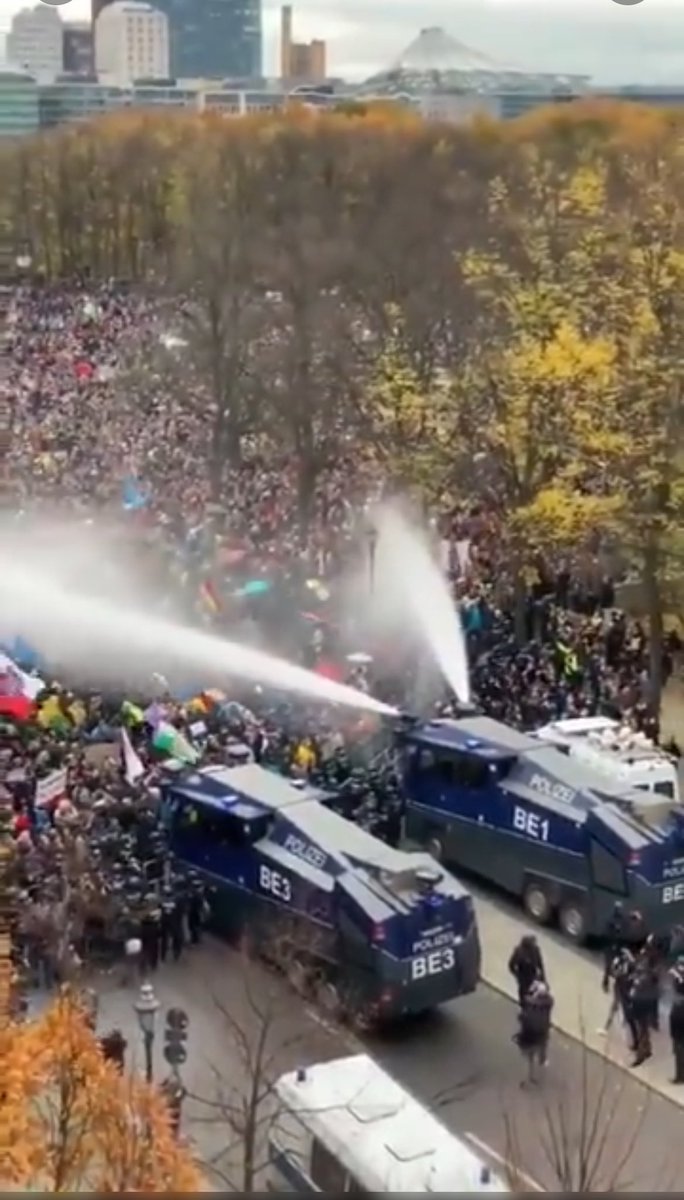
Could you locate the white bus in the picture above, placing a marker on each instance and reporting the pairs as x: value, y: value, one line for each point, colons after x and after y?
x: 348, y: 1126
x: 615, y: 751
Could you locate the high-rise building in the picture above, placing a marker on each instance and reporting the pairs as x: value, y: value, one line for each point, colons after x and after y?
x: 34, y: 42
x: 77, y: 48
x: 300, y: 62
x: 214, y: 39
x: 18, y: 116
x: 131, y: 42
x: 96, y: 7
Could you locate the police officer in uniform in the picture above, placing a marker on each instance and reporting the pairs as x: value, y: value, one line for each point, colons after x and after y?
x: 641, y: 1013
x: 677, y: 1021
x: 171, y: 933
x: 168, y: 908
x: 195, y: 901
x: 150, y: 931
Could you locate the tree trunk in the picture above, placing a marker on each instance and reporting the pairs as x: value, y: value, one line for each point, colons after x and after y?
x: 654, y: 611
x: 308, y: 467
x: 519, y: 608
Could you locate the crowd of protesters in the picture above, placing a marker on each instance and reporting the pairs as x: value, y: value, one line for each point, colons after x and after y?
x: 92, y: 867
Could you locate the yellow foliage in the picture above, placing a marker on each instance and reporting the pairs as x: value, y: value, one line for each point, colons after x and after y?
x: 560, y: 515
x: 70, y: 1122
x: 407, y: 417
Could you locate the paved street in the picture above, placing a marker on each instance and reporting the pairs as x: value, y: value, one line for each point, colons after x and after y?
x: 233, y: 1006
x: 461, y: 1061
x: 575, y: 977
x: 470, y: 1042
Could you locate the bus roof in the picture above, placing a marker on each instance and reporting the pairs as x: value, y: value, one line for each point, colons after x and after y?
x: 381, y: 1134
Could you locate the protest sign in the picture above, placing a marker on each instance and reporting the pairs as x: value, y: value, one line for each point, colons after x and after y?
x: 52, y: 788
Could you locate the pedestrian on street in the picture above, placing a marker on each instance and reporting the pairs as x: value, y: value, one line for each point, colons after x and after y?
x: 613, y: 943
x: 641, y: 1014
x: 526, y: 965
x: 650, y: 963
x: 113, y: 1046
x: 621, y: 973
x: 677, y: 1023
x: 532, y: 1037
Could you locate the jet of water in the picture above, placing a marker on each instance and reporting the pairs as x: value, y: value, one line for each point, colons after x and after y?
x: 410, y: 569
x: 80, y: 629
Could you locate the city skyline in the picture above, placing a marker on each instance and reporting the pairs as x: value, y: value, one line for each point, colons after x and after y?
x: 610, y: 41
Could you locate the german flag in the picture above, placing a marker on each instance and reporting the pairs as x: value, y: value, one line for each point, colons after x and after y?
x: 208, y: 597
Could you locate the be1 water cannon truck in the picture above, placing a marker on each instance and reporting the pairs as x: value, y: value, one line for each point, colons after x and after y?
x: 378, y: 932
x: 542, y: 825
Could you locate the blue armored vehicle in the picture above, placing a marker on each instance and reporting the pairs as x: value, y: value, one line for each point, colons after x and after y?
x: 538, y: 824
x: 381, y: 932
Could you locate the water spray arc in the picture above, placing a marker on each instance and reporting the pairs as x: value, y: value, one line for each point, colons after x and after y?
x: 66, y: 623
x: 408, y: 566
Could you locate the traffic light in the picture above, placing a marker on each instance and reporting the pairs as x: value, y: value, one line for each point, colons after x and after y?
x: 175, y: 1037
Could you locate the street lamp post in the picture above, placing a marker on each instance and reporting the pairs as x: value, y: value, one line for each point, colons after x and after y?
x: 147, y: 1007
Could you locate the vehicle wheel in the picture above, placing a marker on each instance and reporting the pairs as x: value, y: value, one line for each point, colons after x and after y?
x: 435, y: 848
x: 572, y: 921
x: 537, y: 904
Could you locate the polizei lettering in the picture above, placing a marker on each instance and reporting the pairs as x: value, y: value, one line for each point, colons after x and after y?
x: 674, y: 870
x: 433, y: 939
x: 555, y: 791
x: 308, y: 854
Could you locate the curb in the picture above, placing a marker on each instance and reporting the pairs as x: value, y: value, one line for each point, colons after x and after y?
x: 677, y: 1101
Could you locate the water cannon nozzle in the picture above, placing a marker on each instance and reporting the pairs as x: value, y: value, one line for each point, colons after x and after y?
x: 407, y: 720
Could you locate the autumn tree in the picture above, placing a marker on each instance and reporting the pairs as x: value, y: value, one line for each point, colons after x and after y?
x: 409, y: 420
x: 418, y: 209
x: 263, y: 1038
x: 646, y: 467
x: 632, y: 301
x: 310, y: 373
x: 217, y: 267
x: 529, y: 425
x: 70, y: 1122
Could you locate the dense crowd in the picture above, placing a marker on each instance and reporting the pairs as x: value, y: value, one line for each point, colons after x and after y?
x: 93, y: 870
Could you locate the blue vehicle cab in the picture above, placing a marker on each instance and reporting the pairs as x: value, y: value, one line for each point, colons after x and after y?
x: 380, y: 932
x: 538, y: 824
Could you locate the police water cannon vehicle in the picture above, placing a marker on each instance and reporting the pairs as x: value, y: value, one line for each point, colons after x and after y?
x: 541, y: 825
x: 630, y: 758
x: 381, y: 932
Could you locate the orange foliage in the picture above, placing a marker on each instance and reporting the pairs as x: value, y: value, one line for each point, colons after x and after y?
x: 70, y: 1122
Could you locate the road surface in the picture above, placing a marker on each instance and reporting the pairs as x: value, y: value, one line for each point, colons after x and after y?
x: 460, y: 1061
x: 627, y: 1136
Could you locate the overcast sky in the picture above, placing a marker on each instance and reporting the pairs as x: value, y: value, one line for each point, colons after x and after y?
x: 615, y: 43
